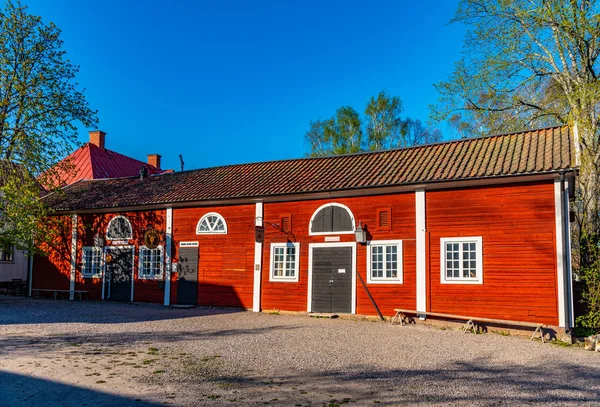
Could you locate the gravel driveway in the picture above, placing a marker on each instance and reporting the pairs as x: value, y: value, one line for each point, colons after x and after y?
x: 60, y: 353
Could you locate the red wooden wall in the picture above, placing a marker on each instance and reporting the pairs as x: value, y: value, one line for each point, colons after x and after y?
x: 226, y: 261
x: 517, y: 225
x: 53, y: 271
x: 293, y: 296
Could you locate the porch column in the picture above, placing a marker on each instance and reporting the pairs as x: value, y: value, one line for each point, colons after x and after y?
x: 168, y: 256
x: 73, y: 257
x: 258, y: 221
x: 421, y: 251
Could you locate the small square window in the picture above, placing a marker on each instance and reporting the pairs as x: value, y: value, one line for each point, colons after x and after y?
x: 461, y: 260
x: 284, y: 262
x: 384, y: 262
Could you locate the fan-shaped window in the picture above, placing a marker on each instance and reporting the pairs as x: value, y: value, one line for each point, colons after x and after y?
x: 332, y: 218
x: 119, y: 228
x: 211, y: 223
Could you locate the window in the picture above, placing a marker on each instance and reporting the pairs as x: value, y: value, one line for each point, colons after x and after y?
x: 7, y: 252
x: 461, y: 260
x: 211, y: 223
x: 92, y: 262
x: 284, y: 261
x: 151, y: 263
x: 119, y: 228
x: 331, y: 219
x: 384, y: 262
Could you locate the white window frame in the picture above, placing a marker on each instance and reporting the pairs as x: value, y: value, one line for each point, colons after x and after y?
x: 212, y: 232
x: 93, y: 249
x: 129, y: 237
x: 385, y: 280
x: 156, y: 276
x: 346, y: 232
x: 478, y: 258
x: 296, y: 276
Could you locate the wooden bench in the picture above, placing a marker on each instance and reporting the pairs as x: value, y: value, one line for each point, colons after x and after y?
x: 471, y: 321
x: 38, y: 293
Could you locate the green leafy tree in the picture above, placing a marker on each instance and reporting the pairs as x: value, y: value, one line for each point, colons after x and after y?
x: 40, y: 105
x: 381, y: 128
x: 530, y: 63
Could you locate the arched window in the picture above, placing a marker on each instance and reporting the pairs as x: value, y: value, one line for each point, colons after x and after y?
x: 211, y: 223
x: 332, y: 218
x: 119, y: 228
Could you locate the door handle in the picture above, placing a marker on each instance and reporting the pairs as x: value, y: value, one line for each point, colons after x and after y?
x: 330, y: 281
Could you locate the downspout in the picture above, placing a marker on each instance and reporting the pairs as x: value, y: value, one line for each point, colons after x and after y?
x: 566, y: 241
x: 29, y: 273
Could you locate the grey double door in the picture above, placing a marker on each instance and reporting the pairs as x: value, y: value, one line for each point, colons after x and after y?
x: 187, y: 284
x: 119, y: 273
x: 332, y: 279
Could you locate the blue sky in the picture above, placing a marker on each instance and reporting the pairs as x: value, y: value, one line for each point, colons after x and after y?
x: 238, y: 81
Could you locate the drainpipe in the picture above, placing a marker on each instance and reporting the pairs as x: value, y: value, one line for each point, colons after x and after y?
x: 568, y: 283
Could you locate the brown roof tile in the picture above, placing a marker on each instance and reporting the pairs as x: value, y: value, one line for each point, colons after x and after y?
x: 530, y: 152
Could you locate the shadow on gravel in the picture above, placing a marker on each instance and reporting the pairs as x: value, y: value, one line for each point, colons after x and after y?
x: 21, y: 310
x: 22, y: 391
x: 453, y: 384
x: 16, y: 344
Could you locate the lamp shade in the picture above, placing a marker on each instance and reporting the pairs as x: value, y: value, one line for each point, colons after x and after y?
x: 360, y: 234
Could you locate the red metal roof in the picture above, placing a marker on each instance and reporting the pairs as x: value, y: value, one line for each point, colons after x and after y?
x: 531, y: 152
x: 92, y: 162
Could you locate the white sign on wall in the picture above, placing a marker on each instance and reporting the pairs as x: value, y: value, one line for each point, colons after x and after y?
x: 332, y: 238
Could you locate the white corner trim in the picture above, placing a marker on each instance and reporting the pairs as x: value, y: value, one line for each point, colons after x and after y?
x: 311, y: 246
x: 220, y: 232
x: 168, y: 256
x: 421, y: 250
x: 294, y: 279
x: 400, y: 260
x: 348, y: 232
x: 478, y: 258
x: 560, y: 254
x: 74, y: 227
x: 259, y: 213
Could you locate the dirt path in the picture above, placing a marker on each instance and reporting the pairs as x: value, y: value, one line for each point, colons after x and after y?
x: 60, y: 353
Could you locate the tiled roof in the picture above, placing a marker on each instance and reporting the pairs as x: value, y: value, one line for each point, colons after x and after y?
x: 531, y: 152
x: 93, y: 162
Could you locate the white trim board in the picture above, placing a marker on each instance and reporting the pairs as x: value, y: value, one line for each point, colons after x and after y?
x: 421, y: 258
x: 311, y: 246
x: 74, y: 227
x: 560, y: 254
x: 168, y: 256
x: 258, y: 221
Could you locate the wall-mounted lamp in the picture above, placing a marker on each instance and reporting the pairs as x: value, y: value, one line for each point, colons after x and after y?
x: 361, y: 233
x: 99, y: 241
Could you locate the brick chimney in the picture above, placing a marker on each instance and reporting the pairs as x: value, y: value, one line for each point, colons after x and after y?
x: 97, y: 138
x: 154, y: 160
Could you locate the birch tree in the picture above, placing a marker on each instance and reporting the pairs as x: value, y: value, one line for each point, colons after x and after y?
x: 40, y: 107
x: 531, y: 63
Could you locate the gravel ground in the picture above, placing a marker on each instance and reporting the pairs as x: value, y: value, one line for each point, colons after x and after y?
x: 60, y: 353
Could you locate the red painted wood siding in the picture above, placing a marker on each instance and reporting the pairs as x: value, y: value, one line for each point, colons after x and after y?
x: 226, y: 261
x: 293, y: 296
x: 90, y: 225
x: 517, y: 226
x: 53, y: 270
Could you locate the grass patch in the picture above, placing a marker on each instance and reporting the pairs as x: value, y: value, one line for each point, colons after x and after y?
x: 158, y: 371
x: 152, y: 351
x: 274, y: 312
x: 213, y: 396
x: 148, y: 361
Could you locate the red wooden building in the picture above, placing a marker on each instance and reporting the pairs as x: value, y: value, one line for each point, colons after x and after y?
x: 476, y: 226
